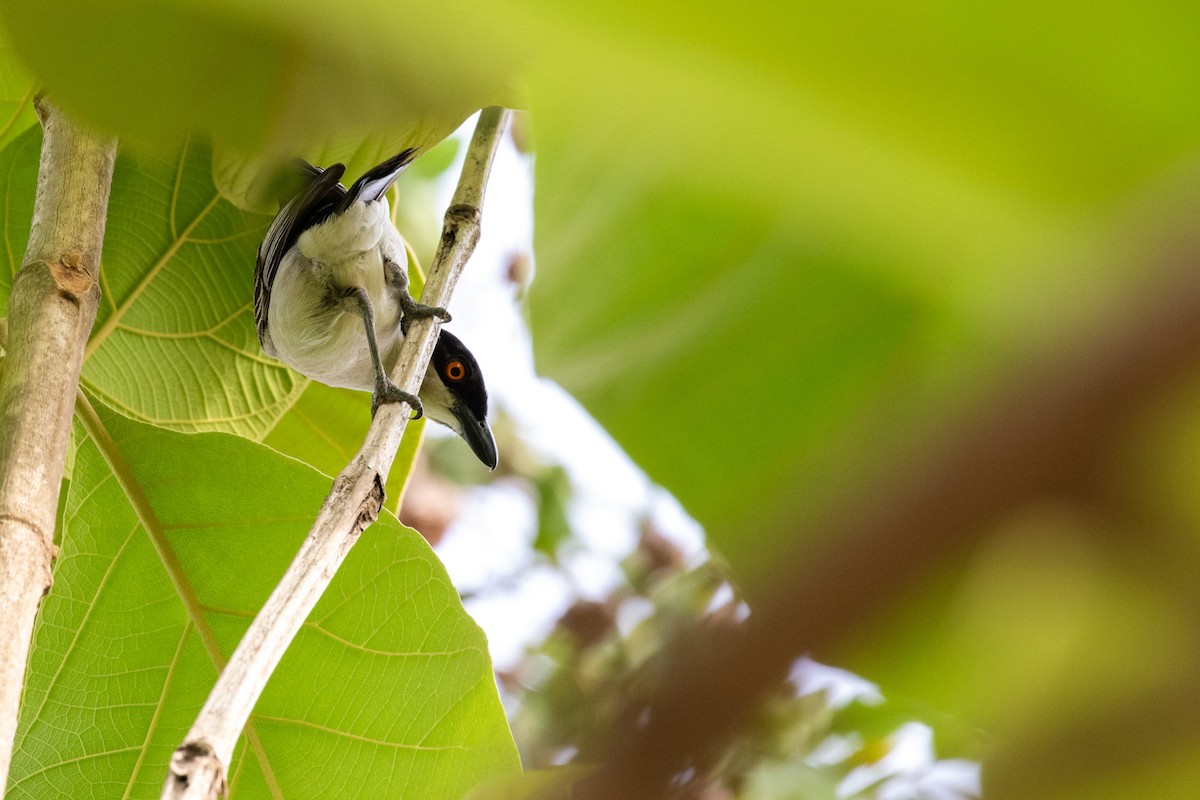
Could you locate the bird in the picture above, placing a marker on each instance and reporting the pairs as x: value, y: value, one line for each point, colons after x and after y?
x: 331, y: 301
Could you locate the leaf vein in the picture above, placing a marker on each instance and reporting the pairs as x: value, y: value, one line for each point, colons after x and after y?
x: 357, y: 737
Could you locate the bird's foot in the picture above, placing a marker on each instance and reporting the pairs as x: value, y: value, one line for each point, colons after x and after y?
x: 412, y: 310
x: 388, y: 392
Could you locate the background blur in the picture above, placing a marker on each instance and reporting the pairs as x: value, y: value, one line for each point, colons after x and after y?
x: 898, y: 303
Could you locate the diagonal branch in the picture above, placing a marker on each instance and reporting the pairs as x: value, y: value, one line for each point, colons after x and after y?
x: 51, y: 311
x: 199, y: 766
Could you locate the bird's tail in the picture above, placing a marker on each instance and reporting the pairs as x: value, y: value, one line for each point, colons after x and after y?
x: 375, y: 182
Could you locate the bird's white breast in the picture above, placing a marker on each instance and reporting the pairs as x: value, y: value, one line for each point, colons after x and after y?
x: 315, y: 335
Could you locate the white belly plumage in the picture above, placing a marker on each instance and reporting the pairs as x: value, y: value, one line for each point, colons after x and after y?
x: 324, y: 339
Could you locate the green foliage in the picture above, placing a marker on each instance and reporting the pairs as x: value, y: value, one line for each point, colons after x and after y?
x: 171, y: 543
x: 268, y: 75
x: 167, y: 319
x: 553, y: 491
x: 833, y: 225
x: 16, y: 96
x: 174, y: 342
x: 777, y: 247
x: 18, y: 180
x: 326, y: 426
x: 267, y: 82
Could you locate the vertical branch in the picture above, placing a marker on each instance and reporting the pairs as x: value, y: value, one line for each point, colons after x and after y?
x: 200, y: 764
x: 51, y: 311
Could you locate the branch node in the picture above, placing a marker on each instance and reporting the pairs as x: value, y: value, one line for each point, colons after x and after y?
x: 40, y: 108
x: 70, y: 274
x: 368, y: 510
x: 195, y: 771
x: 464, y: 213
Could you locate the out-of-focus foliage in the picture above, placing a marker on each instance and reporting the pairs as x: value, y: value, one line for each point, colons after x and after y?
x: 823, y: 735
x: 16, y: 97
x: 835, y: 223
x: 268, y: 81
x: 263, y: 75
x: 778, y: 250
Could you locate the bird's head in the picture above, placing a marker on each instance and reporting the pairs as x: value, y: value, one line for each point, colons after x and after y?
x: 453, y: 394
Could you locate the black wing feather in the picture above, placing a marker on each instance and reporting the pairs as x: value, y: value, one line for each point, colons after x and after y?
x: 322, y: 198
x: 311, y: 207
x: 375, y: 181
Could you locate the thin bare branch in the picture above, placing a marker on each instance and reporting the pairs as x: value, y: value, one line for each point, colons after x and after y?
x: 51, y: 311
x: 200, y: 764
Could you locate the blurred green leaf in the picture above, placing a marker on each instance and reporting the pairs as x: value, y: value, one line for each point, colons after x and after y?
x: 16, y: 97
x: 778, y: 248
x: 172, y: 544
x: 18, y: 182
x: 553, y: 493
x: 437, y: 160
x: 1172, y: 773
x: 1040, y: 630
x: 257, y: 74
x: 246, y: 180
x: 828, y: 228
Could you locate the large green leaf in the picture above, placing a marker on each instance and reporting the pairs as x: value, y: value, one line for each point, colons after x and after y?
x: 325, y: 427
x: 171, y: 544
x: 174, y: 341
x: 261, y: 76
x: 827, y: 229
x: 777, y: 249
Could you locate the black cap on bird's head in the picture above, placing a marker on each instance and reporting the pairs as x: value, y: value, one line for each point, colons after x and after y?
x: 454, y: 394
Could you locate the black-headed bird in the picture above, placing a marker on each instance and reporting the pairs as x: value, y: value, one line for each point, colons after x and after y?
x: 331, y: 301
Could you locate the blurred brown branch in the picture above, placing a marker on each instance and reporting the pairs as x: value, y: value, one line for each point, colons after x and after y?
x: 1050, y: 432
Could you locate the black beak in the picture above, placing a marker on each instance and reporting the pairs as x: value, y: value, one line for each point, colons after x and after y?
x: 477, y: 434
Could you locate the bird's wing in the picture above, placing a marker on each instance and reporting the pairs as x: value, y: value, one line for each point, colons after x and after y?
x: 375, y: 181
x: 310, y: 207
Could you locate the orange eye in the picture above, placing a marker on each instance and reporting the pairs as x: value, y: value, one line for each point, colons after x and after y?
x: 456, y: 370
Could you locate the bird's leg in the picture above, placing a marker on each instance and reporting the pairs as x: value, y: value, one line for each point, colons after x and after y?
x: 385, y: 390
x: 397, y: 282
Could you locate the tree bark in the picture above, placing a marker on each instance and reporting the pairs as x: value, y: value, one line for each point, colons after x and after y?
x: 51, y: 311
